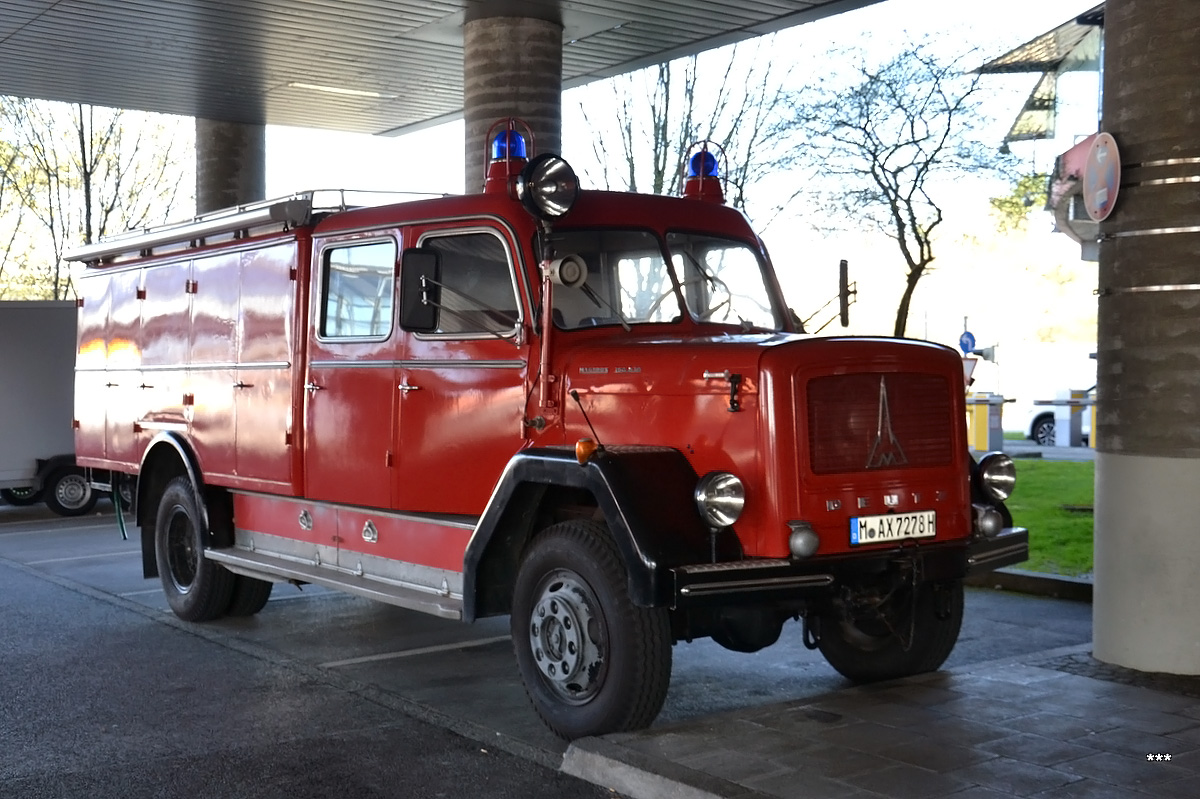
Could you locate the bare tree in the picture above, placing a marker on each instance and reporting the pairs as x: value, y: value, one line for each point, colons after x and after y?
x: 881, y: 145
x: 730, y: 96
x: 83, y: 172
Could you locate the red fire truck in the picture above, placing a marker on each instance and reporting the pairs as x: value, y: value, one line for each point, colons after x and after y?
x: 589, y: 410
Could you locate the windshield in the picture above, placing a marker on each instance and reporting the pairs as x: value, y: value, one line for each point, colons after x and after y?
x: 629, y: 282
x: 722, y: 281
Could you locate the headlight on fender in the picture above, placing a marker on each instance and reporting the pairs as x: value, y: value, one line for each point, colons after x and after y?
x: 998, y: 475
x: 720, y: 498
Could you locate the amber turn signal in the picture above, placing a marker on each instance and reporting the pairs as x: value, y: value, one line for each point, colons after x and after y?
x: 584, y: 449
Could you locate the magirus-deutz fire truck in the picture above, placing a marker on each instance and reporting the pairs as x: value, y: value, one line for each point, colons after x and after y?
x: 589, y: 410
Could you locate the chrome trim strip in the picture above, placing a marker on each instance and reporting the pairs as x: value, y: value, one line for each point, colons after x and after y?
x: 194, y: 367
x: 174, y: 427
x: 461, y: 364
x: 465, y: 523
x: 421, y: 364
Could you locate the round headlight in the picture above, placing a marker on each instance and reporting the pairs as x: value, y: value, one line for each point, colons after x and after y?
x: 720, y: 498
x: 547, y: 186
x: 998, y: 475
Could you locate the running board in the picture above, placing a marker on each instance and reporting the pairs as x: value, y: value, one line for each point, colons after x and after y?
x: 267, y: 567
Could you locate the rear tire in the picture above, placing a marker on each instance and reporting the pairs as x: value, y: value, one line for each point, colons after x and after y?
x: 21, y: 497
x: 250, y: 595
x: 197, y: 589
x: 592, y: 661
x: 868, y: 650
x: 68, y: 492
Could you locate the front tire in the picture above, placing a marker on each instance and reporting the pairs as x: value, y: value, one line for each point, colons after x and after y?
x: 68, y: 492
x: 197, y: 589
x: 870, y: 647
x: 592, y: 661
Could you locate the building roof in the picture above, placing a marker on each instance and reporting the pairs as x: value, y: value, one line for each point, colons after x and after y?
x: 368, y: 66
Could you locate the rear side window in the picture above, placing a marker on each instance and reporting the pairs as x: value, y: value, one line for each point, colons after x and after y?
x: 478, y: 293
x: 357, y: 282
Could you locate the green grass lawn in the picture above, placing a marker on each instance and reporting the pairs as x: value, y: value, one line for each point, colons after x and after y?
x: 1060, y: 540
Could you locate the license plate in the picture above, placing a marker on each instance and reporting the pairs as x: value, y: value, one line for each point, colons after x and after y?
x: 892, y: 527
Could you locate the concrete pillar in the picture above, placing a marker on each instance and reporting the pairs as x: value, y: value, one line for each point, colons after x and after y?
x: 231, y: 164
x: 512, y: 66
x: 1147, y: 590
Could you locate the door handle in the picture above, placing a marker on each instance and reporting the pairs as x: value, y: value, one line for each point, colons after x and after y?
x: 312, y: 387
x: 405, y: 387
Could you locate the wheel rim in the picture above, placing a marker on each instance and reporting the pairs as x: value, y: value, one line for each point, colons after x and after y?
x: 22, y: 493
x: 567, y: 638
x: 1045, y: 434
x: 181, y: 550
x: 72, y: 492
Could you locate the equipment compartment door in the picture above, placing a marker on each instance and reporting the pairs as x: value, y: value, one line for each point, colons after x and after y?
x: 350, y: 385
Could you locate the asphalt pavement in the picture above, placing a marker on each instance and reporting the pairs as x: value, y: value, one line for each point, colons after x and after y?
x: 322, y: 694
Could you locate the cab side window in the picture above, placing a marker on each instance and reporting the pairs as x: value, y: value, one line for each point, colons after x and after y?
x: 357, y: 282
x: 477, y: 294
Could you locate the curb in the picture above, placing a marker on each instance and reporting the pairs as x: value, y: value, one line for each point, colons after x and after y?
x: 637, y: 775
x: 1078, y: 589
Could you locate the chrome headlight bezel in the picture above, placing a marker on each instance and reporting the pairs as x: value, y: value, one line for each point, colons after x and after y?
x: 720, y: 498
x: 997, y: 476
x: 547, y: 187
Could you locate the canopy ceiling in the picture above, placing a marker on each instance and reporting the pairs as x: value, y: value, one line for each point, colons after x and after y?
x: 368, y: 66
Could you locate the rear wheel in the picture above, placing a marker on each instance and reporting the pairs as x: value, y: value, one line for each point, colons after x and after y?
x: 896, y: 638
x: 250, y: 595
x: 197, y: 589
x: 68, y: 492
x: 21, y: 496
x: 592, y: 661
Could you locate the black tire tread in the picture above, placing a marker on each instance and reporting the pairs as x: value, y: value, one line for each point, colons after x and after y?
x: 649, y: 630
x: 250, y: 595
x: 212, y: 589
x: 935, y: 640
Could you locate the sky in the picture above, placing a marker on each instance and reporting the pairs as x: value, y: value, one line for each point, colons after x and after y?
x: 1028, y: 294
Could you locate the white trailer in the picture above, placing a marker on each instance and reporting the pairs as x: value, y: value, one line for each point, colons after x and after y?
x: 37, y: 382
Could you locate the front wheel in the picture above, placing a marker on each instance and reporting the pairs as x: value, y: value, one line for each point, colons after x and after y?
x: 898, y: 638
x: 68, y: 492
x: 197, y: 589
x: 592, y: 661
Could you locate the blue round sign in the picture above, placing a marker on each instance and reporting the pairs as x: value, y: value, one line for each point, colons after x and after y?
x: 966, y: 342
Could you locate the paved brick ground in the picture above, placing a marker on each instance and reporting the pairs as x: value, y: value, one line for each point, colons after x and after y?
x: 1056, y: 725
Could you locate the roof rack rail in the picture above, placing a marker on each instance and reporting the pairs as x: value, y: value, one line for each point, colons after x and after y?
x: 287, y: 212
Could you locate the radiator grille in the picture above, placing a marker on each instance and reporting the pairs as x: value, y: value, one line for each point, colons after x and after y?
x: 867, y: 421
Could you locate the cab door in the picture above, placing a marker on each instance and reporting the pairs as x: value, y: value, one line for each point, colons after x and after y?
x: 350, y: 381
x: 464, y: 385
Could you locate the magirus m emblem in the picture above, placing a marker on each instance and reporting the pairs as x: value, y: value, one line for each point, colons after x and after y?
x: 886, y: 451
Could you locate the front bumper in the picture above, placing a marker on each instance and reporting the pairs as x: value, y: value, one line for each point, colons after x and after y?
x: 756, y: 581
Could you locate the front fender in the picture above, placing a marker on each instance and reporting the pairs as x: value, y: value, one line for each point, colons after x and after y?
x: 643, y: 493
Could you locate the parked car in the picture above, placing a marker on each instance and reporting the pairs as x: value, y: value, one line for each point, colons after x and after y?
x: 1040, y: 428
